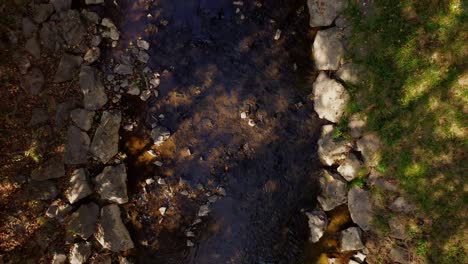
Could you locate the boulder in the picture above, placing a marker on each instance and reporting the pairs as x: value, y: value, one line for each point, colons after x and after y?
x: 330, y: 98
x: 67, y: 68
x: 82, y: 223
x: 76, y: 150
x: 360, y: 207
x: 332, y: 151
x: 78, y: 186
x: 333, y: 191
x: 32, y: 46
x: 82, y: 118
x: 72, y: 27
x: 105, y: 143
x: 323, y: 12
x: 51, y: 169
x: 369, y: 146
x: 94, y: 94
x: 351, y: 239
x: 80, y: 252
x: 111, y: 184
x: 42, y: 12
x: 349, y: 73
x: 350, y: 167
x: 112, y: 233
x: 328, y: 50
x: 318, y: 223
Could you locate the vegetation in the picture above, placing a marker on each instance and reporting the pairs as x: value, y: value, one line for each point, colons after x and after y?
x: 416, y: 98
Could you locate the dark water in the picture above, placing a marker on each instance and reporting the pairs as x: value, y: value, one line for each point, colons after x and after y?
x: 215, y: 65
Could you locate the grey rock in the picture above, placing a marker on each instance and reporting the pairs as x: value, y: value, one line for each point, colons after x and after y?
x: 334, y: 191
x: 39, y: 116
x: 61, y: 5
x: 351, y: 239
x: 59, y: 258
x: 357, y: 124
x: 145, y: 95
x: 96, y: 40
x: 111, y: 184
x: 359, y: 257
x: 332, y: 151
x: 143, y: 57
x: 72, y: 28
x: 80, y: 252
x: 50, y: 37
x: 159, y: 135
x: 350, y: 167
x: 400, y: 205
x: 42, y: 190
x: 112, y: 233
x: 143, y: 44
x: 134, y: 90
x: 42, y: 12
x: 106, y: 139
x: 94, y: 94
x: 323, y: 12
x: 114, y: 34
x: 76, y: 150
x: 34, y: 81
x: 349, y: 73
x: 369, y: 146
x: 360, y: 207
x: 92, y: 55
x: 399, y: 255
x: 94, y: 2
x: 23, y: 62
x: 397, y: 228
x: 204, y: 210
x: 82, y: 223
x: 330, y: 98
x: 29, y: 27
x: 58, y: 210
x: 91, y: 16
x: 317, y: 225
x: 82, y: 118
x: 32, y: 46
x: 328, y: 50
x: 78, y: 187
x: 123, y: 69
x: 63, y: 112
x: 51, y: 169
x: 106, y: 22
x: 102, y: 258
x: 67, y: 68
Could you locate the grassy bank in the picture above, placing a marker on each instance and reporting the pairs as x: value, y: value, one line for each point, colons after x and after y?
x: 416, y: 98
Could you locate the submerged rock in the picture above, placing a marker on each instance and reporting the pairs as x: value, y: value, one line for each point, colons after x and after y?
x: 50, y: 37
x: 68, y: 68
x: 159, y: 135
x: 323, y: 12
x: 82, y: 118
x: 330, y: 98
x: 369, y: 146
x: 51, y: 169
x: 360, y: 207
x: 334, y: 191
x: 111, y: 184
x: 92, y: 55
x: 112, y: 233
x: 78, y: 187
x: 29, y: 27
x: 34, y: 81
x: 106, y: 139
x: 76, y: 150
x: 328, y: 50
x: 123, y: 69
x: 94, y: 94
x: 82, y: 223
x: 143, y: 44
x: 42, y: 12
x: 351, y: 239
x: 72, y: 27
x: 317, y: 225
x: 332, y: 151
x: 32, y: 46
x: 39, y: 116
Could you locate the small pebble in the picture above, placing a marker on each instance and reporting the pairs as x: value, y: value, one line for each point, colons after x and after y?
x: 149, y: 181
x: 243, y: 115
x: 251, y: 123
x: 162, y: 210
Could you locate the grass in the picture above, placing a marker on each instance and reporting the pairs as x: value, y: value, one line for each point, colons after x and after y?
x: 416, y: 98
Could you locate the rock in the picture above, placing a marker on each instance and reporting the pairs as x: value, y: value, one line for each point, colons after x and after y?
x: 399, y: 255
x: 351, y: 261
x: 39, y: 116
x: 330, y: 98
x: 82, y: 223
x: 204, y: 210
x: 159, y: 135
x: 143, y: 56
x: 351, y: 239
x: 162, y: 210
x: 350, y: 167
x: 328, y: 50
x: 323, y: 12
x: 145, y: 95
x: 23, y: 63
x: 67, y: 68
x: 94, y: 2
x: 91, y: 16
x: 32, y: 46
x: 78, y: 186
x: 94, y: 94
x: 63, y: 112
x: 92, y: 55
x: 330, y: 150
x: 42, y: 12
x: 317, y: 225
x: 359, y: 257
x: 82, y: 118
x: 76, y: 150
x: 134, y: 90
x: 58, y: 210
x: 356, y: 125
x: 72, y: 28
x: 106, y: 22
x: 397, y: 228
x: 111, y: 184
x: 29, y: 27
x: 400, y: 205
x: 34, y: 81
x: 59, y: 258
x: 42, y: 190
x: 112, y: 233
x: 106, y: 139
x: 333, y: 191
x: 96, y: 40
x: 103, y: 258
x: 349, y: 73
x: 61, y: 5
x: 50, y: 37
x: 114, y: 34
x: 360, y: 207
x: 123, y: 69
x: 143, y: 44
x: 51, y: 169
x: 80, y: 252
x: 369, y: 146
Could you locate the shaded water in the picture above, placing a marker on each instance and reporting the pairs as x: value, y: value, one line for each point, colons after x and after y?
x: 215, y: 65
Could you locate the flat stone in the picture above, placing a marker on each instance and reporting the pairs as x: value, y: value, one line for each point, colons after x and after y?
x: 78, y: 187
x: 112, y: 233
x: 143, y: 44
x: 369, y: 146
x: 332, y: 151
x: 330, y: 98
x: 58, y: 210
x: 67, y: 68
x: 50, y: 37
x: 42, y: 190
x: 94, y: 94
x: 92, y: 55
x: 29, y: 27
x: 160, y: 135
x: 82, y: 118
x: 94, y: 2
x: 72, y: 27
x: 39, y: 116
x: 328, y: 50
x: 106, y: 139
x: 360, y: 207
x: 357, y: 124
x: 318, y: 223
x: 76, y: 150
x: 323, y: 12
x: 80, y: 252
x: 350, y: 73
x: 351, y: 239
x: 51, y: 169
x: 42, y: 12
x: 82, y: 223
x: 111, y: 184
x: 350, y: 167
x: 32, y: 46
x: 400, y: 205
x: 123, y: 69
x: 334, y: 191
x: 399, y: 255
x: 34, y: 81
